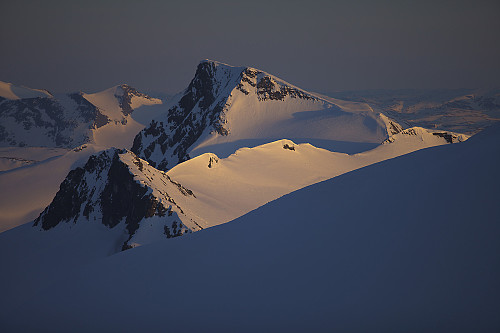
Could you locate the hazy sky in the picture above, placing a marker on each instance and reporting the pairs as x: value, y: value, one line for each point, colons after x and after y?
x: 317, y: 45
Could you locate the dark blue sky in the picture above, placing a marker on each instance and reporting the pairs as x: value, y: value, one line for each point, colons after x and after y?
x: 317, y: 45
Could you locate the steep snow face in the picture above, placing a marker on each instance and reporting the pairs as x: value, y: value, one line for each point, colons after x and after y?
x: 40, y: 119
x: 227, y: 106
x: 116, y: 186
x: 409, y: 244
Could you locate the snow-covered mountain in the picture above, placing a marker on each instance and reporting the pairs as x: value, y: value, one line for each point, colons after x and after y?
x: 225, y: 108
x: 117, y: 189
x: 30, y: 117
x: 409, y: 244
x: 228, y: 180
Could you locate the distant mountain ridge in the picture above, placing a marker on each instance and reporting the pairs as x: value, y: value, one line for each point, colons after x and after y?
x: 31, y: 117
x: 465, y: 111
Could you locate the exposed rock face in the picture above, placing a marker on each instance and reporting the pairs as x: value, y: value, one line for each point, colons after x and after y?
x: 426, y: 134
x: 21, y: 117
x: 202, y: 107
x: 450, y: 137
x: 199, y: 107
x: 116, y: 188
x: 90, y: 113
x: 269, y: 89
x: 124, y: 94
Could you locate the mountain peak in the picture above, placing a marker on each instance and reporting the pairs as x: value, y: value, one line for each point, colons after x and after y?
x: 216, y: 63
x: 230, y: 104
x: 114, y: 188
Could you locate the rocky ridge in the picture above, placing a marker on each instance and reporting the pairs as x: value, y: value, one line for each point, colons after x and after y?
x: 118, y: 189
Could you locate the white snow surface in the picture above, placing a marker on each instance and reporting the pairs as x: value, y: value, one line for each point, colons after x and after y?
x: 409, y: 244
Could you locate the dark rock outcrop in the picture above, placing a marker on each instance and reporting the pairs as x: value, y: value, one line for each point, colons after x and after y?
x: 105, y: 190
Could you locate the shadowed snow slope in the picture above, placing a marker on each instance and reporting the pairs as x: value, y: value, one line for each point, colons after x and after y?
x: 409, y: 244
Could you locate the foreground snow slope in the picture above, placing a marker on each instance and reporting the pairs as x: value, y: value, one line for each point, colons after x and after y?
x: 409, y: 244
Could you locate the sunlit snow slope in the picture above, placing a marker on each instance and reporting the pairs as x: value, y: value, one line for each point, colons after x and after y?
x: 118, y: 104
x: 230, y: 187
